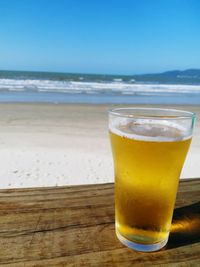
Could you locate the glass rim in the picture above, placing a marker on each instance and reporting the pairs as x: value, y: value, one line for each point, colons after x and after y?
x: 117, y: 111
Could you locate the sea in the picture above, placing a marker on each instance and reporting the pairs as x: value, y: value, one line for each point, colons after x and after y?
x: 50, y: 87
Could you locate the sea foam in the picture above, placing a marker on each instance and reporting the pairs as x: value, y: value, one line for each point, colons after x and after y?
x: 118, y: 87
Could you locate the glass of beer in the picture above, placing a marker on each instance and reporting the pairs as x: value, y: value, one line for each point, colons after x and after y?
x: 149, y: 147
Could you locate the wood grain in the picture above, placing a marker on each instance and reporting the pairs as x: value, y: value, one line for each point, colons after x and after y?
x: 74, y: 226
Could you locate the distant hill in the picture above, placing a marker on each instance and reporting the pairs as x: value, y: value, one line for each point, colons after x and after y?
x: 190, y: 76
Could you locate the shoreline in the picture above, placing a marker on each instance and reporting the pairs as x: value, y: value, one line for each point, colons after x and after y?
x: 95, y: 97
x: 106, y: 105
x: 65, y: 144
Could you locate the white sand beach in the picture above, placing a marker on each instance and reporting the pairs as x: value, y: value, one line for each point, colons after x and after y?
x: 49, y: 145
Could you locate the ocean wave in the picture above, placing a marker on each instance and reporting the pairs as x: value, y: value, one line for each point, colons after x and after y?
x: 79, y: 87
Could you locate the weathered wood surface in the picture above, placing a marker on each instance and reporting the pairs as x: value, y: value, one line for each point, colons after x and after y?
x: 74, y: 226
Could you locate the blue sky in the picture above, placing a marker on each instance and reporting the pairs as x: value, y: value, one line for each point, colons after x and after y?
x: 99, y: 36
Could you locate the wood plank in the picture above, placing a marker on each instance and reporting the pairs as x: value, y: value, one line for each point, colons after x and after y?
x: 74, y: 226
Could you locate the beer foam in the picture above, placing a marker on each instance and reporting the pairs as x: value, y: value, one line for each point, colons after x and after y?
x: 150, y: 130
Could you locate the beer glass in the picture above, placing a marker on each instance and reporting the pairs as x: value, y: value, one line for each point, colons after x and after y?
x: 149, y: 147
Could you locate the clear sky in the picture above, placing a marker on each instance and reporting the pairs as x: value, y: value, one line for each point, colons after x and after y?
x: 100, y: 36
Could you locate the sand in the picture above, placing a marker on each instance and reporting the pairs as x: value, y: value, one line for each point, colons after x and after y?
x: 55, y: 145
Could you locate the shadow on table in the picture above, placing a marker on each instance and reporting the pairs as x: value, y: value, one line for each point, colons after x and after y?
x: 185, y: 226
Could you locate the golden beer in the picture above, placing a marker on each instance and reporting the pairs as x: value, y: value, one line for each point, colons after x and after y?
x: 148, y: 160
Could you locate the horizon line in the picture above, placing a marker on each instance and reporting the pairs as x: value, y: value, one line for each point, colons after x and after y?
x: 108, y: 74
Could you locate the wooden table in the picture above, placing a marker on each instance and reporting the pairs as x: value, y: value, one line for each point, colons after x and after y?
x: 74, y: 226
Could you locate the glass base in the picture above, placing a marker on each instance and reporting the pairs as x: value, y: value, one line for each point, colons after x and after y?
x: 141, y: 247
